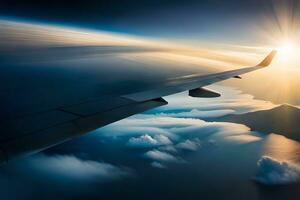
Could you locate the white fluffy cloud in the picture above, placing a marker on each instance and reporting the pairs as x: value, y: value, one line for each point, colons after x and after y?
x: 149, y: 141
x: 161, y: 156
x: 189, y: 145
x: 142, y: 141
x: 163, y: 140
x: 274, y: 172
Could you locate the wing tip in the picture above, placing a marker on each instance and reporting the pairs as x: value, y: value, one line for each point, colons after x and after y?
x: 268, y: 59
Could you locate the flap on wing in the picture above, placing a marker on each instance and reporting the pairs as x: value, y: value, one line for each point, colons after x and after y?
x: 203, y: 93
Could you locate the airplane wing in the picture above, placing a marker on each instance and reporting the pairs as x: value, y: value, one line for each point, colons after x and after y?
x: 24, y: 133
x: 57, y: 83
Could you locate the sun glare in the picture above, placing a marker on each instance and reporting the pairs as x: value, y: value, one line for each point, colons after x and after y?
x: 286, y: 49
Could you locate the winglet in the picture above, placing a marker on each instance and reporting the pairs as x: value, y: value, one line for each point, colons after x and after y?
x: 268, y: 59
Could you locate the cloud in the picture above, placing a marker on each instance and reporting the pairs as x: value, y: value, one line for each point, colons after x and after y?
x: 70, y: 168
x: 274, y: 172
x: 189, y: 145
x: 66, y: 175
x: 158, y: 165
x: 163, y: 140
x: 195, y: 113
x: 142, y: 141
x: 148, y: 141
x: 131, y: 127
x: 185, y: 133
x: 161, y: 156
x: 243, y: 138
x: 177, y: 130
x: 34, y: 35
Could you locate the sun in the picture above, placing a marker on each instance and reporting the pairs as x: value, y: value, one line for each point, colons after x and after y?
x: 286, y: 49
x: 288, y: 55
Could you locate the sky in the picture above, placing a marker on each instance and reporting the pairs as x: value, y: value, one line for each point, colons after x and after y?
x: 231, y: 21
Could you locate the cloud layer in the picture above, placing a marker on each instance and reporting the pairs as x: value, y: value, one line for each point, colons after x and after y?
x: 169, y: 137
x: 177, y: 127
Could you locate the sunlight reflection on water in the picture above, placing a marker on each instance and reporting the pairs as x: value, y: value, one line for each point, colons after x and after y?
x: 281, y: 148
